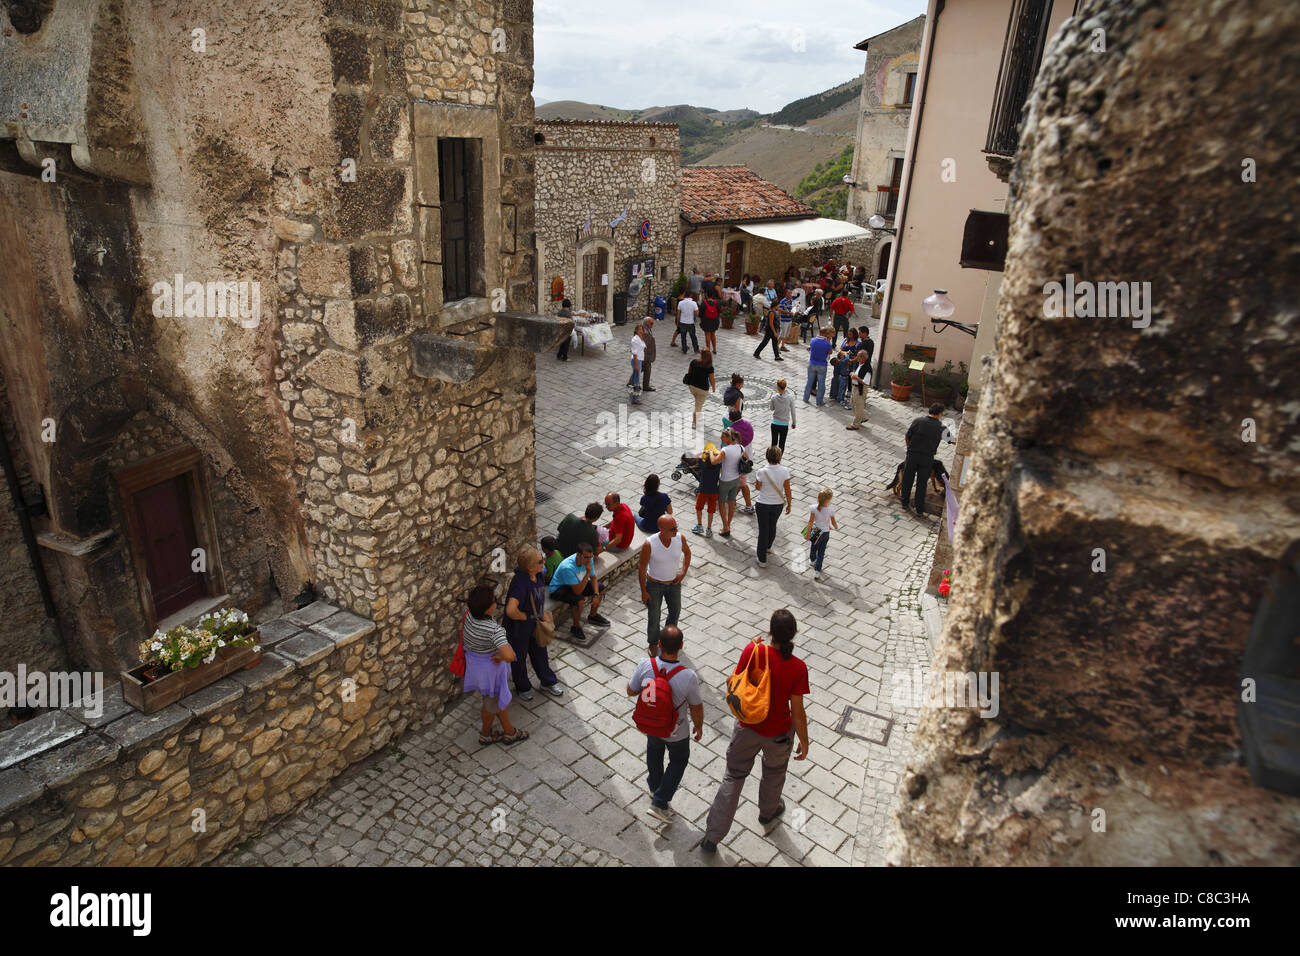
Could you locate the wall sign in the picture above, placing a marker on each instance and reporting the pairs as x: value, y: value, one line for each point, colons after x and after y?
x: 898, y: 320
x: 645, y: 228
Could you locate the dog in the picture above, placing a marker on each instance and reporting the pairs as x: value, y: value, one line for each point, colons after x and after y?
x: 938, y: 479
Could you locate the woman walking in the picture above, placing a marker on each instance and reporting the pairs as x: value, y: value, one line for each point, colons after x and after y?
x: 699, y: 379
x: 782, y: 414
x: 525, y: 606
x: 710, y: 318
x: 821, y: 520
x: 771, y: 333
x: 773, y: 483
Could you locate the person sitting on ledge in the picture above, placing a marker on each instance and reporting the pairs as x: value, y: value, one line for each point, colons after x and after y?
x: 621, y: 524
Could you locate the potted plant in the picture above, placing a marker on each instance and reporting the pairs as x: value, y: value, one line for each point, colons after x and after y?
x: 729, y: 312
x: 675, y: 293
x: 876, y: 298
x: 901, y: 387
x: 942, y: 385
x: 945, y: 585
x: 184, y: 659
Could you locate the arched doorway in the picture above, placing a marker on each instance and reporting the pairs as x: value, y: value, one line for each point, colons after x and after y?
x: 882, y: 267
x: 594, y: 261
x: 733, y: 262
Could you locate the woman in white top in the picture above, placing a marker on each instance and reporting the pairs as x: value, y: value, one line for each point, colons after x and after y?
x: 822, y: 518
x: 773, y: 483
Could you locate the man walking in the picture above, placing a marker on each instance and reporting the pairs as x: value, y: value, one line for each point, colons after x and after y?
x: 686, y: 311
x: 685, y: 686
x: 648, y: 334
x: 695, y: 282
x: 817, y: 355
x: 770, y: 334
x: 923, y: 439
x: 842, y: 308
x: 858, y: 381
x: 665, y: 559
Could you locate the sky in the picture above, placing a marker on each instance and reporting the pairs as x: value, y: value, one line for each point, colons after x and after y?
x: 759, y: 54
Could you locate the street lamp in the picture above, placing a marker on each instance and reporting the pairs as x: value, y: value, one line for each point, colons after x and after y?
x: 877, y: 222
x: 938, y: 307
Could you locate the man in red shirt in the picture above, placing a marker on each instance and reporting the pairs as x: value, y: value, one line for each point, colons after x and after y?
x: 771, y: 736
x: 841, y: 308
x: 621, y: 525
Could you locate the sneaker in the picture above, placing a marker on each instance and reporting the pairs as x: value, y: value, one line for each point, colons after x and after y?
x: 660, y: 813
x: 709, y: 847
x: 748, y: 510
x: 817, y: 576
x: 577, y: 633
x: 767, y: 821
x: 555, y: 690
x: 649, y: 389
x: 708, y: 532
x: 525, y: 695
x: 598, y: 619
x: 698, y: 529
x: 762, y: 564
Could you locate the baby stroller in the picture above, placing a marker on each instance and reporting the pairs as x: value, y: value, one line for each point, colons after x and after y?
x: 691, y: 465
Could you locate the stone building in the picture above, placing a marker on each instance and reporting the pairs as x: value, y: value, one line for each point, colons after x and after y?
x: 1138, y: 472
x: 735, y: 222
x: 264, y: 337
x: 591, y: 173
x: 889, y: 88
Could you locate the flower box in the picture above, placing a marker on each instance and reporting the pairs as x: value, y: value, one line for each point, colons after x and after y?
x: 149, y: 697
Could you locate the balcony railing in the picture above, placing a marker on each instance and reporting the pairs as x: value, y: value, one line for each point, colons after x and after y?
x: 886, y: 201
x: 1022, y: 52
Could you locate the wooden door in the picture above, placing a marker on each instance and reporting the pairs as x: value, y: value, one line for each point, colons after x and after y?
x: 166, y: 518
x: 595, y: 265
x: 735, y: 259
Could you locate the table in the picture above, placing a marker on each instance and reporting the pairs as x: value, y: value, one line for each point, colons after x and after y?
x: 732, y: 295
x: 592, y: 327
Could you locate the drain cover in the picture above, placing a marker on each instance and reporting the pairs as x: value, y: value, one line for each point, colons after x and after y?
x: 864, y: 725
x: 604, y: 452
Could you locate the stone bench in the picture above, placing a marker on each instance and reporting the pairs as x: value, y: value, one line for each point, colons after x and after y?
x: 611, y: 566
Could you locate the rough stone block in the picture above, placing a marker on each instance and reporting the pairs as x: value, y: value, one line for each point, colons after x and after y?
x: 213, y: 697
x: 349, y: 55
x: 114, y: 708
x: 531, y: 333
x: 343, y: 628
x: 323, y: 270
x: 37, y: 736
x: 316, y: 611
x: 448, y: 359
x: 272, y: 668
x: 335, y: 371
x: 306, y: 648
x: 141, y: 730
x: 17, y: 789
x: 65, y: 764
x: 281, y: 629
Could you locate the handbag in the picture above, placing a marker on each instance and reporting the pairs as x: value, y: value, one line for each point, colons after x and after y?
x: 457, y: 665
x: 749, y: 700
x: 746, y: 465
x: 543, y: 632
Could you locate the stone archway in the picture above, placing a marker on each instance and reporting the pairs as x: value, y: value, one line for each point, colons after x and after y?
x: 594, y: 259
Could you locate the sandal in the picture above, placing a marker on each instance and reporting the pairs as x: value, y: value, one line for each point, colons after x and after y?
x: 494, y: 738
x: 518, y: 736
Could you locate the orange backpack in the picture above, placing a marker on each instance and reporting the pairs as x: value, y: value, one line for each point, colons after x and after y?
x: 749, y: 698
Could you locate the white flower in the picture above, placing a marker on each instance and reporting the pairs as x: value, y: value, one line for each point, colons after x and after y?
x: 257, y: 649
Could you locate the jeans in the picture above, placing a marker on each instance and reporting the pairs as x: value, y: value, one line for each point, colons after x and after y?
x: 686, y: 330
x: 658, y: 592
x: 817, y: 550
x: 663, y: 783
x: 526, y: 649
x: 767, y: 518
x: 635, y: 380
x: 744, y: 747
x: 837, y: 385
x: 778, y: 435
x: 816, y: 379
x: 768, y: 336
x: 917, y: 469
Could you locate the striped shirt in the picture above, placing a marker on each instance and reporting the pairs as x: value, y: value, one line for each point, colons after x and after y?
x: 483, y: 637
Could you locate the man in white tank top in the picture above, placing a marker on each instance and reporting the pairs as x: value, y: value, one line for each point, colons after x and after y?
x: 664, y: 560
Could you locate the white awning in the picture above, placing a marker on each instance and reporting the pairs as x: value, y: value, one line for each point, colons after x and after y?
x: 806, y: 233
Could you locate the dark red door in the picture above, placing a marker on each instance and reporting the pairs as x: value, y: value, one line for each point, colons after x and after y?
x: 169, y: 542
x: 735, y: 254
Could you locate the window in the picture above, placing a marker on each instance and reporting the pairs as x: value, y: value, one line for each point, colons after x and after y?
x: 887, y: 196
x: 984, y: 241
x: 909, y: 88
x: 168, y: 519
x: 462, y: 219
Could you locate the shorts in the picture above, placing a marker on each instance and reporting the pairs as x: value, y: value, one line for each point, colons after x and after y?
x: 702, y: 500
x: 727, y: 490
x: 565, y: 593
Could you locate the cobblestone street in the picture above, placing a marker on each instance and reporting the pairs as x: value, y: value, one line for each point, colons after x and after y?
x: 575, y: 792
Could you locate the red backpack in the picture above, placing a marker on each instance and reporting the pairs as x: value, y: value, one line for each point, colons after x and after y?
x: 710, y: 309
x: 655, y: 714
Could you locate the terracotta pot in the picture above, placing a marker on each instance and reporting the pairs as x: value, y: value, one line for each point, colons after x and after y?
x: 901, y: 392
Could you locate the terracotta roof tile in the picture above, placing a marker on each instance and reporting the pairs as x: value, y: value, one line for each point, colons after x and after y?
x: 735, y: 194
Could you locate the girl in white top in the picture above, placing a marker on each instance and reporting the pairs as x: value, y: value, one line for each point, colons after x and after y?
x: 823, y: 518
x: 773, y: 483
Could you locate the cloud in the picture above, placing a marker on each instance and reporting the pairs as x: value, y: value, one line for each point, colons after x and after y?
x: 705, y: 53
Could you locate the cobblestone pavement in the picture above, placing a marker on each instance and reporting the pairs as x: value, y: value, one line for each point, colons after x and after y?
x: 575, y: 792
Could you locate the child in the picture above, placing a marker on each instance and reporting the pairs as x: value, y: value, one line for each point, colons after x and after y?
x: 488, y: 655
x: 710, y: 475
x: 553, y: 556
x: 821, y: 520
x: 734, y: 399
x: 745, y: 435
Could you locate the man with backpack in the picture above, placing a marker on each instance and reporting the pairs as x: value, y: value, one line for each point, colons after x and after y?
x: 665, y: 690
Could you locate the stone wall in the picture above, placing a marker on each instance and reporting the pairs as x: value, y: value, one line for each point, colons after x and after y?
x: 1120, y: 683
x: 587, y: 168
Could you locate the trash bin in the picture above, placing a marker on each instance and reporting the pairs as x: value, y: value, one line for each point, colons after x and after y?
x: 620, y: 308
x: 661, y: 308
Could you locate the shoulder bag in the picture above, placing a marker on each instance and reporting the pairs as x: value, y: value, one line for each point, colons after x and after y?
x: 749, y: 698
x: 543, y: 631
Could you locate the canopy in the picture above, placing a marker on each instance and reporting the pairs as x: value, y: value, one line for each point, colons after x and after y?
x: 806, y: 233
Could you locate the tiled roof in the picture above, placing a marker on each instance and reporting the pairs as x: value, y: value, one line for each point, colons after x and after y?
x: 735, y: 194
x: 580, y: 122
